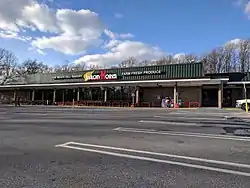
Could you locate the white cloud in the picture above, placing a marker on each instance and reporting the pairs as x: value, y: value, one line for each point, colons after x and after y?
x: 83, y: 22
x: 80, y: 30
x: 245, y: 4
x: 247, y: 8
x: 13, y: 35
x: 40, y: 17
x: 73, y: 31
x: 118, y: 15
x: 112, y: 43
x: 114, y: 35
x: 68, y: 31
x: 70, y: 45
x: 122, y: 50
x: 36, y: 50
x: 10, y: 11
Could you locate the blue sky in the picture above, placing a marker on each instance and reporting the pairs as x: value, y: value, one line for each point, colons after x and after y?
x: 142, y: 29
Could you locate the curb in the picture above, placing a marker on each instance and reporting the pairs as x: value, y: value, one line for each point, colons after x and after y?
x: 132, y: 108
x: 232, y: 109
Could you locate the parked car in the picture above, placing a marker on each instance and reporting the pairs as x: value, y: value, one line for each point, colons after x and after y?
x: 242, y: 104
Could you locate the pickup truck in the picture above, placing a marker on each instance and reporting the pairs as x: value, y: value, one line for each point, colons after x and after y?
x: 242, y: 104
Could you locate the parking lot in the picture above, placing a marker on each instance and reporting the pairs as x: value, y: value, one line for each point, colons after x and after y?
x: 123, y: 147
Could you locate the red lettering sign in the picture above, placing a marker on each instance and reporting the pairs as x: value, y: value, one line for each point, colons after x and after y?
x: 102, y: 75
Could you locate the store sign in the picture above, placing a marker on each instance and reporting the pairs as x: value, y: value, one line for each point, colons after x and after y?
x: 88, y: 76
x: 102, y: 76
x: 146, y: 72
x: 66, y: 77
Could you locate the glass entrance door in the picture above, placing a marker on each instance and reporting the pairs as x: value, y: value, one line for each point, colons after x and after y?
x: 210, y: 97
x: 227, y: 98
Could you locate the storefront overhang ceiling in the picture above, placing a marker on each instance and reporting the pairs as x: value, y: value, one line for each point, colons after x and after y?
x: 240, y: 83
x: 167, y: 83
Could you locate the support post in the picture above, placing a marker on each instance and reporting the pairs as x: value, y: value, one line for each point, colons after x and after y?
x: 175, y: 94
x: 133, y: 99
x: 42, y: 97
x: 78, y: 95
x: 54, y: 96
x: 90, y: 93
x: 137, y: 95
x: 246, y: 102
x: 14, y: 95
x: 243, y: 92
x: 220, y: 95
x: 63, y: 96
x: 33, y: 96
x: 105, y: 94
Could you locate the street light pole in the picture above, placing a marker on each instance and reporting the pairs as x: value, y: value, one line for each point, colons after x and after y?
x: 245, y: 90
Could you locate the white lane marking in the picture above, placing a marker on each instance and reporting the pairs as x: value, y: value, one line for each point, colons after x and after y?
x: 195, y: 118
x: 177, y: 113
x: 185, y: 124
x: 30, y: 114
x: 187, y: 134
x: 160, y: 161
x: 62, y: 145
x: 170, y: 123
x: 158, y: 154
x: 119, y: 128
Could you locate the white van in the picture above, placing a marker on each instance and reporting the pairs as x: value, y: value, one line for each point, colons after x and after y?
x: 242, y: 104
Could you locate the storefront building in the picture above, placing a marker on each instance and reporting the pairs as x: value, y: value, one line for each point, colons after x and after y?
x: 139, y: 86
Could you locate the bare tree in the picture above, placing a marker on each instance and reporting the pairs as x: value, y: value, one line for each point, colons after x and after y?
x: 145, y: 63
x: 244, y: 55
x: 33, y: 67
x: 213, y: 61
x: 190, y: 58
x: 130, y: 62
x: 185, y: 58
x: 9, y: 70
x: 78, y: 67
x: 166, y: 60
x: 229, y: 57
x: 95, y: 67
x: 64, y: 67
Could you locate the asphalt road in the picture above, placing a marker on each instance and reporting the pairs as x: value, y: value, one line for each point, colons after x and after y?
x: 112, y: 147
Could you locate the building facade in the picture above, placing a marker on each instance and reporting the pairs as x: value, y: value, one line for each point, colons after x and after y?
x: 140, y: 86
